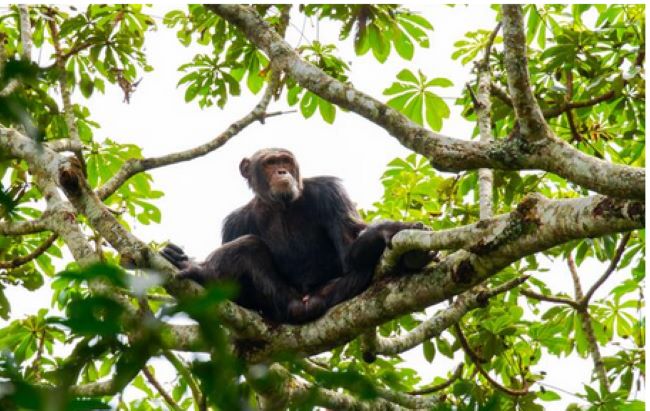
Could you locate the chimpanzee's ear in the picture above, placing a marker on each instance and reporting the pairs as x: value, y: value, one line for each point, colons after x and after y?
x: 244, y: 168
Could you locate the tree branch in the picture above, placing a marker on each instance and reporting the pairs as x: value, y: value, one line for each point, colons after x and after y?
x: 477, y: 364
x: 549, y: 298
x: 25, y: 32
x: 161, y: 390
x: 483, y: 108
x: 529, y: 115
x: 441, y: 320
x: 24, y: 259
x: 610, y: 269
x: 182, y: 369
x: 134, y: 166
x: 446, y: 153
x: 536, y: 225
x: 439, y: 387
x: 405, y: 400
x: 68, y: 109
x: 285, y: 389
x: 570, y: 105
x: 24, y: 227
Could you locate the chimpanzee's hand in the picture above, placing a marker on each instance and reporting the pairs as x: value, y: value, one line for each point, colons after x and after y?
x: 175, y: 255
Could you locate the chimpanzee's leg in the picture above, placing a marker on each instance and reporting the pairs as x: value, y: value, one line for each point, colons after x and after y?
x: 248, y: 262
x: 362, y: 258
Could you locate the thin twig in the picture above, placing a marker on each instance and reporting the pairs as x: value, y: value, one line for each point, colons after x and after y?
x: 185, y: 373
x: 475, y: 359
x: 549, y: 298
x: 577, y: 287
x: 439, y: 387
x: 610, y: 269
x: 24, y: 259
x: 161, y: 390
x: 488, y: 46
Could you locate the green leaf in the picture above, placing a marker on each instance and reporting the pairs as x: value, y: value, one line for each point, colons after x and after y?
x: 439, y: 82
x: 548, y: 396
x: 429, y: 350
x: 417, y: 19
x: 414, y: 109
x: 308, y: 104
x: 327, y: 110
x: 445, y: 348
x: 362, y: 43
x: 379, y: 43
x: 86, y: 85
x: 407, y: 76
x: 403, y: 45
x: 436, y: 109
x: 399, y: 102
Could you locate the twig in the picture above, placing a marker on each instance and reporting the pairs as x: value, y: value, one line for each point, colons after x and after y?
x: 475, y: 359
x: 472, y: 96
x: 177, y: 363
x: 24, y: 259
x: 587, y: 326
x: 39, y: 355
x: 488, y: 46
x: 577, y: 287
x: 439, y: 387
x: 402, y: 399
x: 474, y: 356
x: 161, y: 390
x: 549, y: 298
x: 610, y: 269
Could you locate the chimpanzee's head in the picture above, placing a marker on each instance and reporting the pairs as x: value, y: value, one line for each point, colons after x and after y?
x: 273, y: 174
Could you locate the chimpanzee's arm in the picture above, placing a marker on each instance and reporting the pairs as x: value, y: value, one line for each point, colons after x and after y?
x: 237, y: 224
x: 337, y: 213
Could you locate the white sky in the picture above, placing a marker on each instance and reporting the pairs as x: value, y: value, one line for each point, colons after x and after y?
x: 200, y: 193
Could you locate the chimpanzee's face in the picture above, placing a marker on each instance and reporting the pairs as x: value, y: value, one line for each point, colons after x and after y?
x: 281, y: 174
x: 274, y: 175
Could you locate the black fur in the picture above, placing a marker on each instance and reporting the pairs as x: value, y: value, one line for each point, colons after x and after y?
x: 293, y: 260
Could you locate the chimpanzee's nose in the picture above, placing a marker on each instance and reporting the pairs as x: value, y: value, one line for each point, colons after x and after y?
x: 282, y: 172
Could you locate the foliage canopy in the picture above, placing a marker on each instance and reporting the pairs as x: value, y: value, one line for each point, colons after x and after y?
x: 585, y: 71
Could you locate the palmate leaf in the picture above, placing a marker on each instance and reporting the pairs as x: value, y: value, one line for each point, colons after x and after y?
x: 414, y: 98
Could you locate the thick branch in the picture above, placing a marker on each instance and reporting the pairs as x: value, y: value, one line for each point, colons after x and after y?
x: 530, y: 118
x: 23, y: 227
x: 537, y: 224
x: 446, y: 153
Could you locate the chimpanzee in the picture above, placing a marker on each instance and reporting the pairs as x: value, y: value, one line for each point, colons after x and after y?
x: 297, y: 248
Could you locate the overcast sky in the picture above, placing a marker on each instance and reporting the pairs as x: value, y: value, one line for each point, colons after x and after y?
x: 200, y: 193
